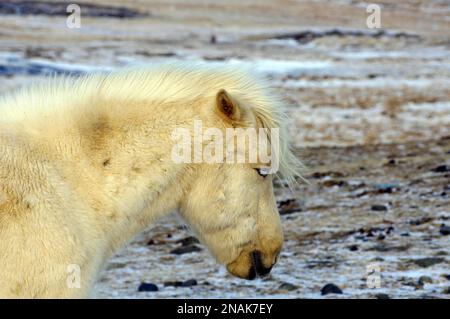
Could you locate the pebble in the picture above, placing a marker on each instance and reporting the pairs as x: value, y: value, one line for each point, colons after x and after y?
x: 187, y: 283
x: 185, y: 250
x: 382, y: 296
x: 330, y: 289
x: 420, y: 221
x: 319, y: 175
x: 378, y: 208
x: 425, y: 280
x: 338, y: 183
x: 188, y: 241
x: 386, y: 188
x: 444, y: 230
x: 353, y: 247
x: 414, y: 284
x: 441, y: 169
x: 145, y: 286
x: 429, y: 261
x: 392, y: 162
x: 389, y: 230
x: 289, y: 206
x: 287, y: 286
x: 405, y: 234
x: 173, y: 283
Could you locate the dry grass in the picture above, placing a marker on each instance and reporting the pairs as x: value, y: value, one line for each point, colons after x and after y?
x: 393, y: 106
x: 366, y: 98
x: 371, y: 133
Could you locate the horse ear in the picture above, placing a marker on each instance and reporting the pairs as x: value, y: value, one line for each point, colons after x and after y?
x: 227, y: 106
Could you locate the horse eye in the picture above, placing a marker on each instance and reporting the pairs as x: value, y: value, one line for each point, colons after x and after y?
x: 262, y: 171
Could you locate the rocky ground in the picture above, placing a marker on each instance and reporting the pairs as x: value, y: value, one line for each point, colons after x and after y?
x: 381, y: 208
x: 370, y: 117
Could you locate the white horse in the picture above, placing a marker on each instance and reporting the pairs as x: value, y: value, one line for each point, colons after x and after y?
x: 86, y: 164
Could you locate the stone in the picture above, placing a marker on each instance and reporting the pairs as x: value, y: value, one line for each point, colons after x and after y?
x: 185, y: 250
x: 187, y: 283
x: 378, y: 208
x: 428, y: 262
x: 444, y: 230
x: 147, y: 287
x: 441, y: 169
x: 330, y: 289
x: 188, y: 241
x: 287, y: 286
x: 425, y: 280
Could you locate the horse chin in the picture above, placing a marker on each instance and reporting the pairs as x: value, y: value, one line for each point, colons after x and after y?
x: 249, y: 265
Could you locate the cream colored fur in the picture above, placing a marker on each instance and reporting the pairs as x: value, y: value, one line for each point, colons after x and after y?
x: 86, y: 165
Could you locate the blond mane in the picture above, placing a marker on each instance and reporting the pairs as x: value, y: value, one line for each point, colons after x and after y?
x: 39, y: 106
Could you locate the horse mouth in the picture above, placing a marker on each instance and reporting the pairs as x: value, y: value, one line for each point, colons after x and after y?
x: 257, y: 268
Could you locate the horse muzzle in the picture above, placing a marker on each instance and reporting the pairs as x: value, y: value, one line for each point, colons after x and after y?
x: 250, y: 265
x: 257, y: 267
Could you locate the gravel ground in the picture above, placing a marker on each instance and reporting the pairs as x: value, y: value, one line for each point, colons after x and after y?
x: 368, y: 208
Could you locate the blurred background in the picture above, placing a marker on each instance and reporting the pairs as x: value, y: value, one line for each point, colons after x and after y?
x: 368, y: 96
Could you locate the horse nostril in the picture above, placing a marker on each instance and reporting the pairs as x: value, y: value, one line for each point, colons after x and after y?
x: 258, y: 267
x: 251, y: 273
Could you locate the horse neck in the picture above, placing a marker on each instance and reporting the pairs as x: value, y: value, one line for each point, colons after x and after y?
x: 128, y: 176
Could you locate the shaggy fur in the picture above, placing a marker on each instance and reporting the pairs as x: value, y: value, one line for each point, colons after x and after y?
x: 85, y: 166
